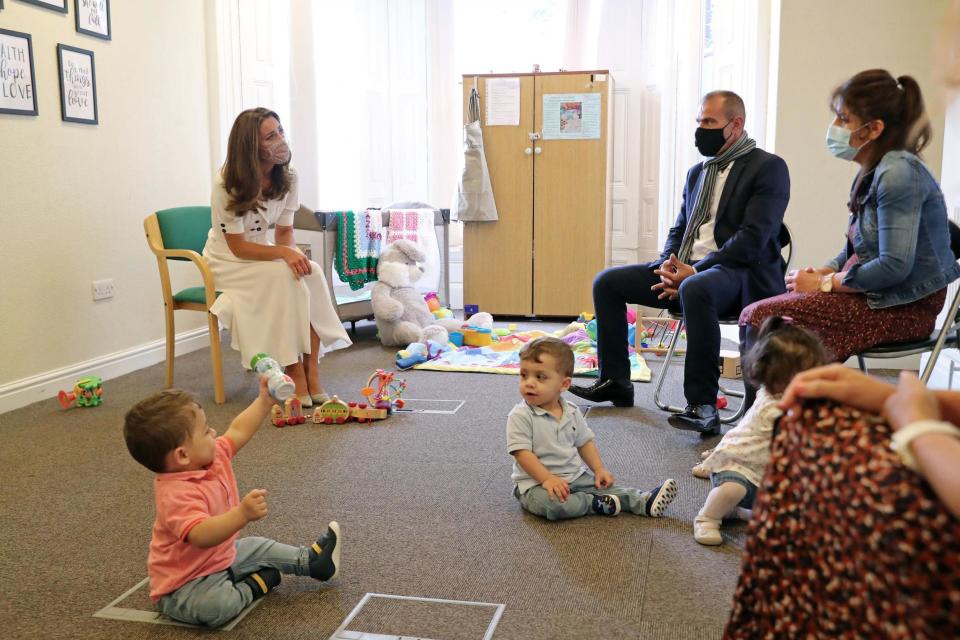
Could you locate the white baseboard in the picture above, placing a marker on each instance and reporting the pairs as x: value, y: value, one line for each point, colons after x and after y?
x: 44, y: 386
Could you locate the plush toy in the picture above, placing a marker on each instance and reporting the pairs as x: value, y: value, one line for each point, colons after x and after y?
x: 402, y: 314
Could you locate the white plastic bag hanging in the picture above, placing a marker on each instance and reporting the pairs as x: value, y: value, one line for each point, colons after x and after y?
x: 475, y: 194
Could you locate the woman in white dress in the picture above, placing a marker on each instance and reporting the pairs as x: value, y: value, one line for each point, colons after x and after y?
x: 275, y: 300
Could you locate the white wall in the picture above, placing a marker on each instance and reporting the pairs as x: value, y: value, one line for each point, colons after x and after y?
x: 822, y: 43
x: 74, y: 196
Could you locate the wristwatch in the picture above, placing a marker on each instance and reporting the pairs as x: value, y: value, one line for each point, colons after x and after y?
x: 900, y: 440
x: 826, y: 283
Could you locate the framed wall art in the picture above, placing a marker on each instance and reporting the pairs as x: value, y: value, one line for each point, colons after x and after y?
x: 18, y: 82
x: 93, y: 18
x: 54, y: 5
x: 78, y: 85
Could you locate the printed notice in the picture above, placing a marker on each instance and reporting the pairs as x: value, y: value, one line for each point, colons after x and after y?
x: 502, y: 102
x: 571, y: 116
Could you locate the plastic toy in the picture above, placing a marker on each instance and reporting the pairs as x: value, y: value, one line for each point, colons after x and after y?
x: 470, y: 309
x: 591, y: 329
x: 442, y: 312
x: 477, y: 337
x: 383, y: 390
x: 336, y: 411
x: 721, y: 402
x: 419, y: 352
x: 456, y: 337
x: 414, y: 354
x: 433, y: 303
x: 87, y: 392
x: 281, y: 385
x: 291, y: 413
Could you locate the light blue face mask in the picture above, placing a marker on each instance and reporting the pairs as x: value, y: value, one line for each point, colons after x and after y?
x: 838, y: 142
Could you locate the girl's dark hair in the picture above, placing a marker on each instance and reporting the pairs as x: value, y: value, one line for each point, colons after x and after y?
x: 241, y: 171
x: 781, y: 351
x: 876, y: 95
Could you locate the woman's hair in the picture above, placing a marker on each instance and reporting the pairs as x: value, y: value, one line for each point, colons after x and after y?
x: 157, y: 425
x: 241, y: 171
x: 781, y: 351
x: 876, y: 95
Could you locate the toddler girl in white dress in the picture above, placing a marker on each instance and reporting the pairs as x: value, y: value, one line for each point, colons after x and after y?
x: 735, y: 467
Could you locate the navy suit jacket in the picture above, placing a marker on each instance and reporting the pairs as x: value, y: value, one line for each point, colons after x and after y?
x: 748, y: 223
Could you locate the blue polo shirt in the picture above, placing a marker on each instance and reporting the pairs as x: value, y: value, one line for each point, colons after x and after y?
x: 554, y: 442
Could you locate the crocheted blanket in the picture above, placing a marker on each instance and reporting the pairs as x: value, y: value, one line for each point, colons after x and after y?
x: 359, y: 235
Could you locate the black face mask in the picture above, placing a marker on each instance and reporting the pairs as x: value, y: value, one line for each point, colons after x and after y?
x: 709, y: 141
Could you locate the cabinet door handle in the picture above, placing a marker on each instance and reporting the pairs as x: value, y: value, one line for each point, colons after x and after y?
x: 528, y: 151
x: 537, y: 150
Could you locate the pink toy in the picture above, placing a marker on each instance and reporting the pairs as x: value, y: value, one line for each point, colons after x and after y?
x: 433, y: 303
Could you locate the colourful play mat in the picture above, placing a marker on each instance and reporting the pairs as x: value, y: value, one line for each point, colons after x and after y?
x: 504, y: 357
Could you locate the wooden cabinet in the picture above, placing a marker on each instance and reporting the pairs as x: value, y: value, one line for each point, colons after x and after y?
x: 540, y: 257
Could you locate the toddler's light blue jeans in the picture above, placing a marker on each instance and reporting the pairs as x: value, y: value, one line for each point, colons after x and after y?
x: 216, y: 599
x: 580, y: 501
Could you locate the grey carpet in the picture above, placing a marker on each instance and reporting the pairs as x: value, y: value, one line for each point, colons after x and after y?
x: 424, y: 502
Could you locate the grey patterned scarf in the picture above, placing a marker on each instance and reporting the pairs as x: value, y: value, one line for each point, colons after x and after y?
x: 708, y: 178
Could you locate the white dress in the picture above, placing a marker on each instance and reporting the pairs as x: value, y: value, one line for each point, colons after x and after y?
x: 746, y: 448
x: 265, y: 307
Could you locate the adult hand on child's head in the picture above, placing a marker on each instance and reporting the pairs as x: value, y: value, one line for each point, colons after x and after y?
x: 557, y: 488
x: 840, y: 383
x: 603, y: 479
x: 254, y: 505
x: 911, y: 402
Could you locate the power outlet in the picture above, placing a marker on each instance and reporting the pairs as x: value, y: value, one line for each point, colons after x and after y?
x: 102, y: 289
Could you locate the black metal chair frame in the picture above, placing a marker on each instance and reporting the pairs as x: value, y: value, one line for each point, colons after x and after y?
x: 948, y: 335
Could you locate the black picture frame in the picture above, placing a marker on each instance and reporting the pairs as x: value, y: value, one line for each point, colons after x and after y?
x: 60, y: 6
x: 13, y: 88
x: 78, y: 85
x: 93, y: 15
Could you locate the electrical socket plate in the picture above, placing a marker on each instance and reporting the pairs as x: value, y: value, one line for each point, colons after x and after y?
x: 102, y: 289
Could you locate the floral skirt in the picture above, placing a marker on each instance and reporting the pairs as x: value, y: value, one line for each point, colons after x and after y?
x: 845, y: 323
x: 845, y: 541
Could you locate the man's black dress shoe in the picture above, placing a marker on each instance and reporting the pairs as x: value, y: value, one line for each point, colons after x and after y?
x: 701, y: 417
x: 619, y: 392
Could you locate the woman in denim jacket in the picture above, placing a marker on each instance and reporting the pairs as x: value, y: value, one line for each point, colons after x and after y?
x: 889, y: 282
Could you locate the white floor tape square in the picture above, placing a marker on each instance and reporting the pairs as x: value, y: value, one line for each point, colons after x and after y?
x: 115, y: 612
x: 343, y: 633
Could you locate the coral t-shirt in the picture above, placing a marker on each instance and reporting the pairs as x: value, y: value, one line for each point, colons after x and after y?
x: 185, y: 499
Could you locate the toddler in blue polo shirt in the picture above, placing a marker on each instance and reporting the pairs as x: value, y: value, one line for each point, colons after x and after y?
x: 550, y: 443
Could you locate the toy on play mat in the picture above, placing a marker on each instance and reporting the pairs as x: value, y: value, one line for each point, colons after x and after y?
x: 87, y: 392
x: 384, y: 389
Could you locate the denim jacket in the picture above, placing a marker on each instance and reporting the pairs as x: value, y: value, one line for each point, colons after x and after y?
x: 900, y: 237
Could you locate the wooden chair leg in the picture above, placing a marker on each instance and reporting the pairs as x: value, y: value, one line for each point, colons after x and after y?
x: 171, y: 343
x: 218, y: 394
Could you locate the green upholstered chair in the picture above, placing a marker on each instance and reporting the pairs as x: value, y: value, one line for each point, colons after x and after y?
x: 179, y: 234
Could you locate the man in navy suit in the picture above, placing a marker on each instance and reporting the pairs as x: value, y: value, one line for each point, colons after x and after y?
x: 722, y: 254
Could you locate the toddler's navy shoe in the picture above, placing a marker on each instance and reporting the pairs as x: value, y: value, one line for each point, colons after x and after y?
x: 661, y: 497
x: 325, y: 554
x: 262, y: 581
x: 606, y: 505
